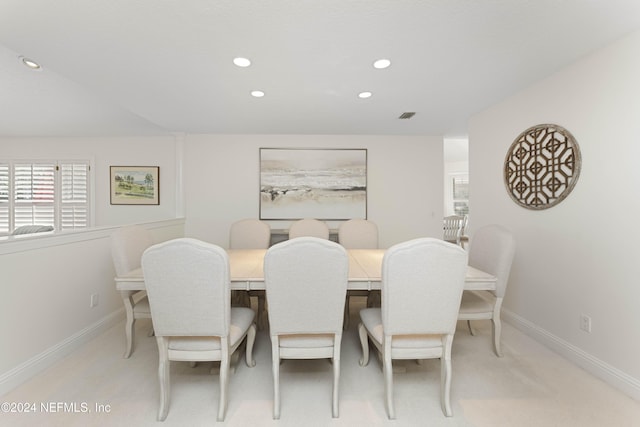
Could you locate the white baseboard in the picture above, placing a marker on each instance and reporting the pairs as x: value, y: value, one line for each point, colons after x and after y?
x: 609, y: 374
x: 27, y: 370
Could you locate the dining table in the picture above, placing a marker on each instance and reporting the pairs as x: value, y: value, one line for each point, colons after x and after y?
x: 246, y: 270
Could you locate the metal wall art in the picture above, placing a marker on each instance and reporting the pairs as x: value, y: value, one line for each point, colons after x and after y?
x: 542, y: 166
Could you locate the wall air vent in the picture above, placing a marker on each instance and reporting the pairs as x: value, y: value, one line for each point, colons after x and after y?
x: 407, y: 115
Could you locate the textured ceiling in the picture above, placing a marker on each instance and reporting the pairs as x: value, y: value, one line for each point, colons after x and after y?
x: 148, y: 67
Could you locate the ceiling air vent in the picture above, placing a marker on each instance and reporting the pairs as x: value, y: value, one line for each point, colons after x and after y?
x: 407, y: 115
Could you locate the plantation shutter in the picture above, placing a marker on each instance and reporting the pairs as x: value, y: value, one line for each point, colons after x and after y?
x: 74, y: 205
x: 34, y: 194
x: 4, y: 198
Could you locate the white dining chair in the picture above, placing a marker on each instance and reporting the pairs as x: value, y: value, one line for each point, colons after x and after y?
x: 307, y: 323
x: 453, y: 228
x: 127, y: 245
x: 309, y: 227
x: 422, y: 283
x: 358, y: 233
x: 250, y: 233
x: 189, y: 292
x: 492, y: 249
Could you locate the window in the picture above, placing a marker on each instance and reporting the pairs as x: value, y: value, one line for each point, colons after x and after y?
x: 54, y: 193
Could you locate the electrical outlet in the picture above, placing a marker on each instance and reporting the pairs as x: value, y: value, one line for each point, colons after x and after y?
x: 585, y: 323
x: 94, y: 300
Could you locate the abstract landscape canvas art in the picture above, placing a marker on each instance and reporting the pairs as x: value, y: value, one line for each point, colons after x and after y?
x: 329, y: 184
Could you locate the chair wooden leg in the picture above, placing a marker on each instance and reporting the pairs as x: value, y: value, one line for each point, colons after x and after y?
x: 445, y: 376
x: 275, y: 358
x: 364, y: 342
x: 129, y: 325
x: 387, y: 369
x: 497, y: 326
x: 224, y: 378
x: 163, y: 377
x: 130, y: 333
x: 233, y: 361
x: 471, y: 331
x: 335, y: 409
x: 496, y: 333
x: 251, y: 339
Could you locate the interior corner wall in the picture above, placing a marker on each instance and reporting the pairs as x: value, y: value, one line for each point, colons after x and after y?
x: 581, y: 256
x: 404, y: 181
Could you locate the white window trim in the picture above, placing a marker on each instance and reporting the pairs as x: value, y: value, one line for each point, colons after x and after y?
x: 57, y: 188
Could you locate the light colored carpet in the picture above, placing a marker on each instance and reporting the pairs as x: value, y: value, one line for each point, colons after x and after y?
x: 529, y: 386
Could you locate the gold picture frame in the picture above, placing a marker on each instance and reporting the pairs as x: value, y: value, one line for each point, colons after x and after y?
x: 135, y: 185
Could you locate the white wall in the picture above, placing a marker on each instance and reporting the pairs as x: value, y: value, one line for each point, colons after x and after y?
x: 221, y: 175
x: 581, y: 256
x: 106, y: 152
x: 47, y: 283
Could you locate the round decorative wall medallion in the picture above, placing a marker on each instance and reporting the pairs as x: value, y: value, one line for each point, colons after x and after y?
x: 542, y: 166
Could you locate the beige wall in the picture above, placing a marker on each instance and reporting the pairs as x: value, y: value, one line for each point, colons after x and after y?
x: 45, y: 310
x: 579, y: 257
x: 47, y: 285
x: 221, y: 175
x: 105, y: 152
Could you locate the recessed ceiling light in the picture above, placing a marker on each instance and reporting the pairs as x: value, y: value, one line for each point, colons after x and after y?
x: 30, y: 63
x: 364, y: 95
x: 257, y: 93
x: 241, y: 62
x: 381, y: 63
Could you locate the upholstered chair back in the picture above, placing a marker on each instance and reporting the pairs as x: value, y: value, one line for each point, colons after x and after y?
x: 422, y: 283
x: 309, y: 227
x: 127, y: 245
x: 358, y: 234
x: 306, y: 284
x: 492, y: 250
x: 188, y: 285
x: 249, y: 233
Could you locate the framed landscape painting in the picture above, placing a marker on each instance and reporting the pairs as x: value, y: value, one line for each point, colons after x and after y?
x: 135, y: 185
x: 328, y: 184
